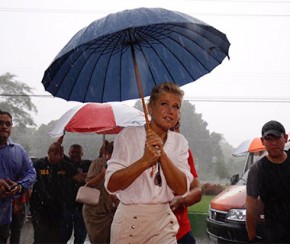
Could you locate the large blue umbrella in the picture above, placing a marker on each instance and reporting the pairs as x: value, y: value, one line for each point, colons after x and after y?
x: 124, y: 55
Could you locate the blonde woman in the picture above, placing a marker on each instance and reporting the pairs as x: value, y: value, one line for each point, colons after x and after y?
x: 147, y: 167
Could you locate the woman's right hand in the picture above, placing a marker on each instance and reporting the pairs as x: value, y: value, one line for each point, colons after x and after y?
x: 96, y: 180
x: 152, y: 150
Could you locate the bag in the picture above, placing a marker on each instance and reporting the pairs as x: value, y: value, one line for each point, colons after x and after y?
x: 88, y: 195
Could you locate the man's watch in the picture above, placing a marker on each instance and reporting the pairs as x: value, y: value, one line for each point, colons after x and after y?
x: 20, y: 188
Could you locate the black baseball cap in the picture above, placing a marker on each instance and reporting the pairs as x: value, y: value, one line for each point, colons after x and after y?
x: 274, y: 128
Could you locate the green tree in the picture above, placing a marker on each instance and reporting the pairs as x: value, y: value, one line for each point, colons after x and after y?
x: 234, y: 165
x: 204, y: 145
x: 221, y: 170
x: 15, y: 98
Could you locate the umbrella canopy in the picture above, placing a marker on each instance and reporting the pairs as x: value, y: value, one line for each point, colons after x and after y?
x: 251, y: 145
x: 100, y: 118
x: 124, y: 55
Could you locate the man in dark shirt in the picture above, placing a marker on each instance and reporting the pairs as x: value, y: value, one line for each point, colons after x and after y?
x: 51, y: 195
x: 269, y: 179
x: 74, y: 221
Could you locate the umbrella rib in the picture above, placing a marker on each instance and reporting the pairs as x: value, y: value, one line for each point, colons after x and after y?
x: 203, y: 27
x: 147, y: 61
x: 217, y: 36
x: 74, y: 82
x: 62, y: 79
x: 120, y: 71
x: 180, y: 33
x: 110, y: 56
x: 82, y: 49
x: 193, y: 56
x: 104, y: 41
x: 86, y: 47
x: 91, y: 73
x: 164, y: 64
x: 81, y: 53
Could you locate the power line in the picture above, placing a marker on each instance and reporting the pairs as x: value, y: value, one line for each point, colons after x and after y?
x: 196, y: 99
x: 240, y: 1
x: 239, y: 100
x: 25, y: 95
x: 41, y: 10
x: 101, y: 12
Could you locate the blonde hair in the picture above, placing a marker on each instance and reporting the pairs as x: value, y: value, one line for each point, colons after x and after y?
x: 165, y: 87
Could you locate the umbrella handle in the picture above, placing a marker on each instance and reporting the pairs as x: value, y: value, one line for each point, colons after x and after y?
x: 60, y: 139
x: 141, y: 93
x: 140, y: 89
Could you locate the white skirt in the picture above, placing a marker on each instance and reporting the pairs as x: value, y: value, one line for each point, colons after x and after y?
x: 139, y: 223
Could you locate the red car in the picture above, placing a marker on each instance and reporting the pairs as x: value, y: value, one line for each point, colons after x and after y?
x: 226, y: 220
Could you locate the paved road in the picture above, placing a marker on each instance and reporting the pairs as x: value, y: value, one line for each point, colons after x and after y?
x: 27, y: 234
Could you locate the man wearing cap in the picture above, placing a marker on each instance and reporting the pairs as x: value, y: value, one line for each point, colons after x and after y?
x: 269, y: 179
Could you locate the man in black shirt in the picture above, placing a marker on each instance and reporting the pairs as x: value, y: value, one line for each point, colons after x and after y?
x: 269, y: 179
x: 51, y: 195
x: 74, y: 221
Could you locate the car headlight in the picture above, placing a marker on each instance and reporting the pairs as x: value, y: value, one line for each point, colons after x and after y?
x: 236, y: 215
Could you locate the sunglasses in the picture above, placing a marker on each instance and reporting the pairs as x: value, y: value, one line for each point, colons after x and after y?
x: 157, y: 178
x: 6, y: 123
x: 176, y: 127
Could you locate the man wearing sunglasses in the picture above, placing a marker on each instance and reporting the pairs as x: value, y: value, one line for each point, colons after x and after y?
x: 17, y: 174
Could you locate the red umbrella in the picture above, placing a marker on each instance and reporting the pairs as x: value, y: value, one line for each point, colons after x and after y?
x: 251, y: 145
x: 100, y: 118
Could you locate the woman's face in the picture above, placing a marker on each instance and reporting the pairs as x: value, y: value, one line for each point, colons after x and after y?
x: 165, y: 111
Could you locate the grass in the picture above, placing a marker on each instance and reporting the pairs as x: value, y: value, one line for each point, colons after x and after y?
x: 202, y: 206
x: 197, y: 215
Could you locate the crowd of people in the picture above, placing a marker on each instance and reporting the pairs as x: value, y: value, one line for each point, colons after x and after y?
x: 51, y: 183
x: 146, y: 178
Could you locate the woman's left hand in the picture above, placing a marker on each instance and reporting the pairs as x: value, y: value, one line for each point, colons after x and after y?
x: 176, y: 203
x: 154, y: 140
x: 153, y: 148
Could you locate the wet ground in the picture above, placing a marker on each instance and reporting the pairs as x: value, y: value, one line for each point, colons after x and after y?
x: 27, y: 236
x: 27, y: 233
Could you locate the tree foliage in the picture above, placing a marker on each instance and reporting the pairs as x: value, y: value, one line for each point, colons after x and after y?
x: 204, y: 145
x: 16, y: 100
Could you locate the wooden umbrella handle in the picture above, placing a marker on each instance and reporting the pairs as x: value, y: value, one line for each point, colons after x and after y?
x: 140, y: 88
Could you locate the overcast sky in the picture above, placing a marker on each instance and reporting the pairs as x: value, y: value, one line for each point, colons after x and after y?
x: 235, y: 99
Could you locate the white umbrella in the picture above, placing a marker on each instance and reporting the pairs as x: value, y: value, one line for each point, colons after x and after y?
x: 100, y: 118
